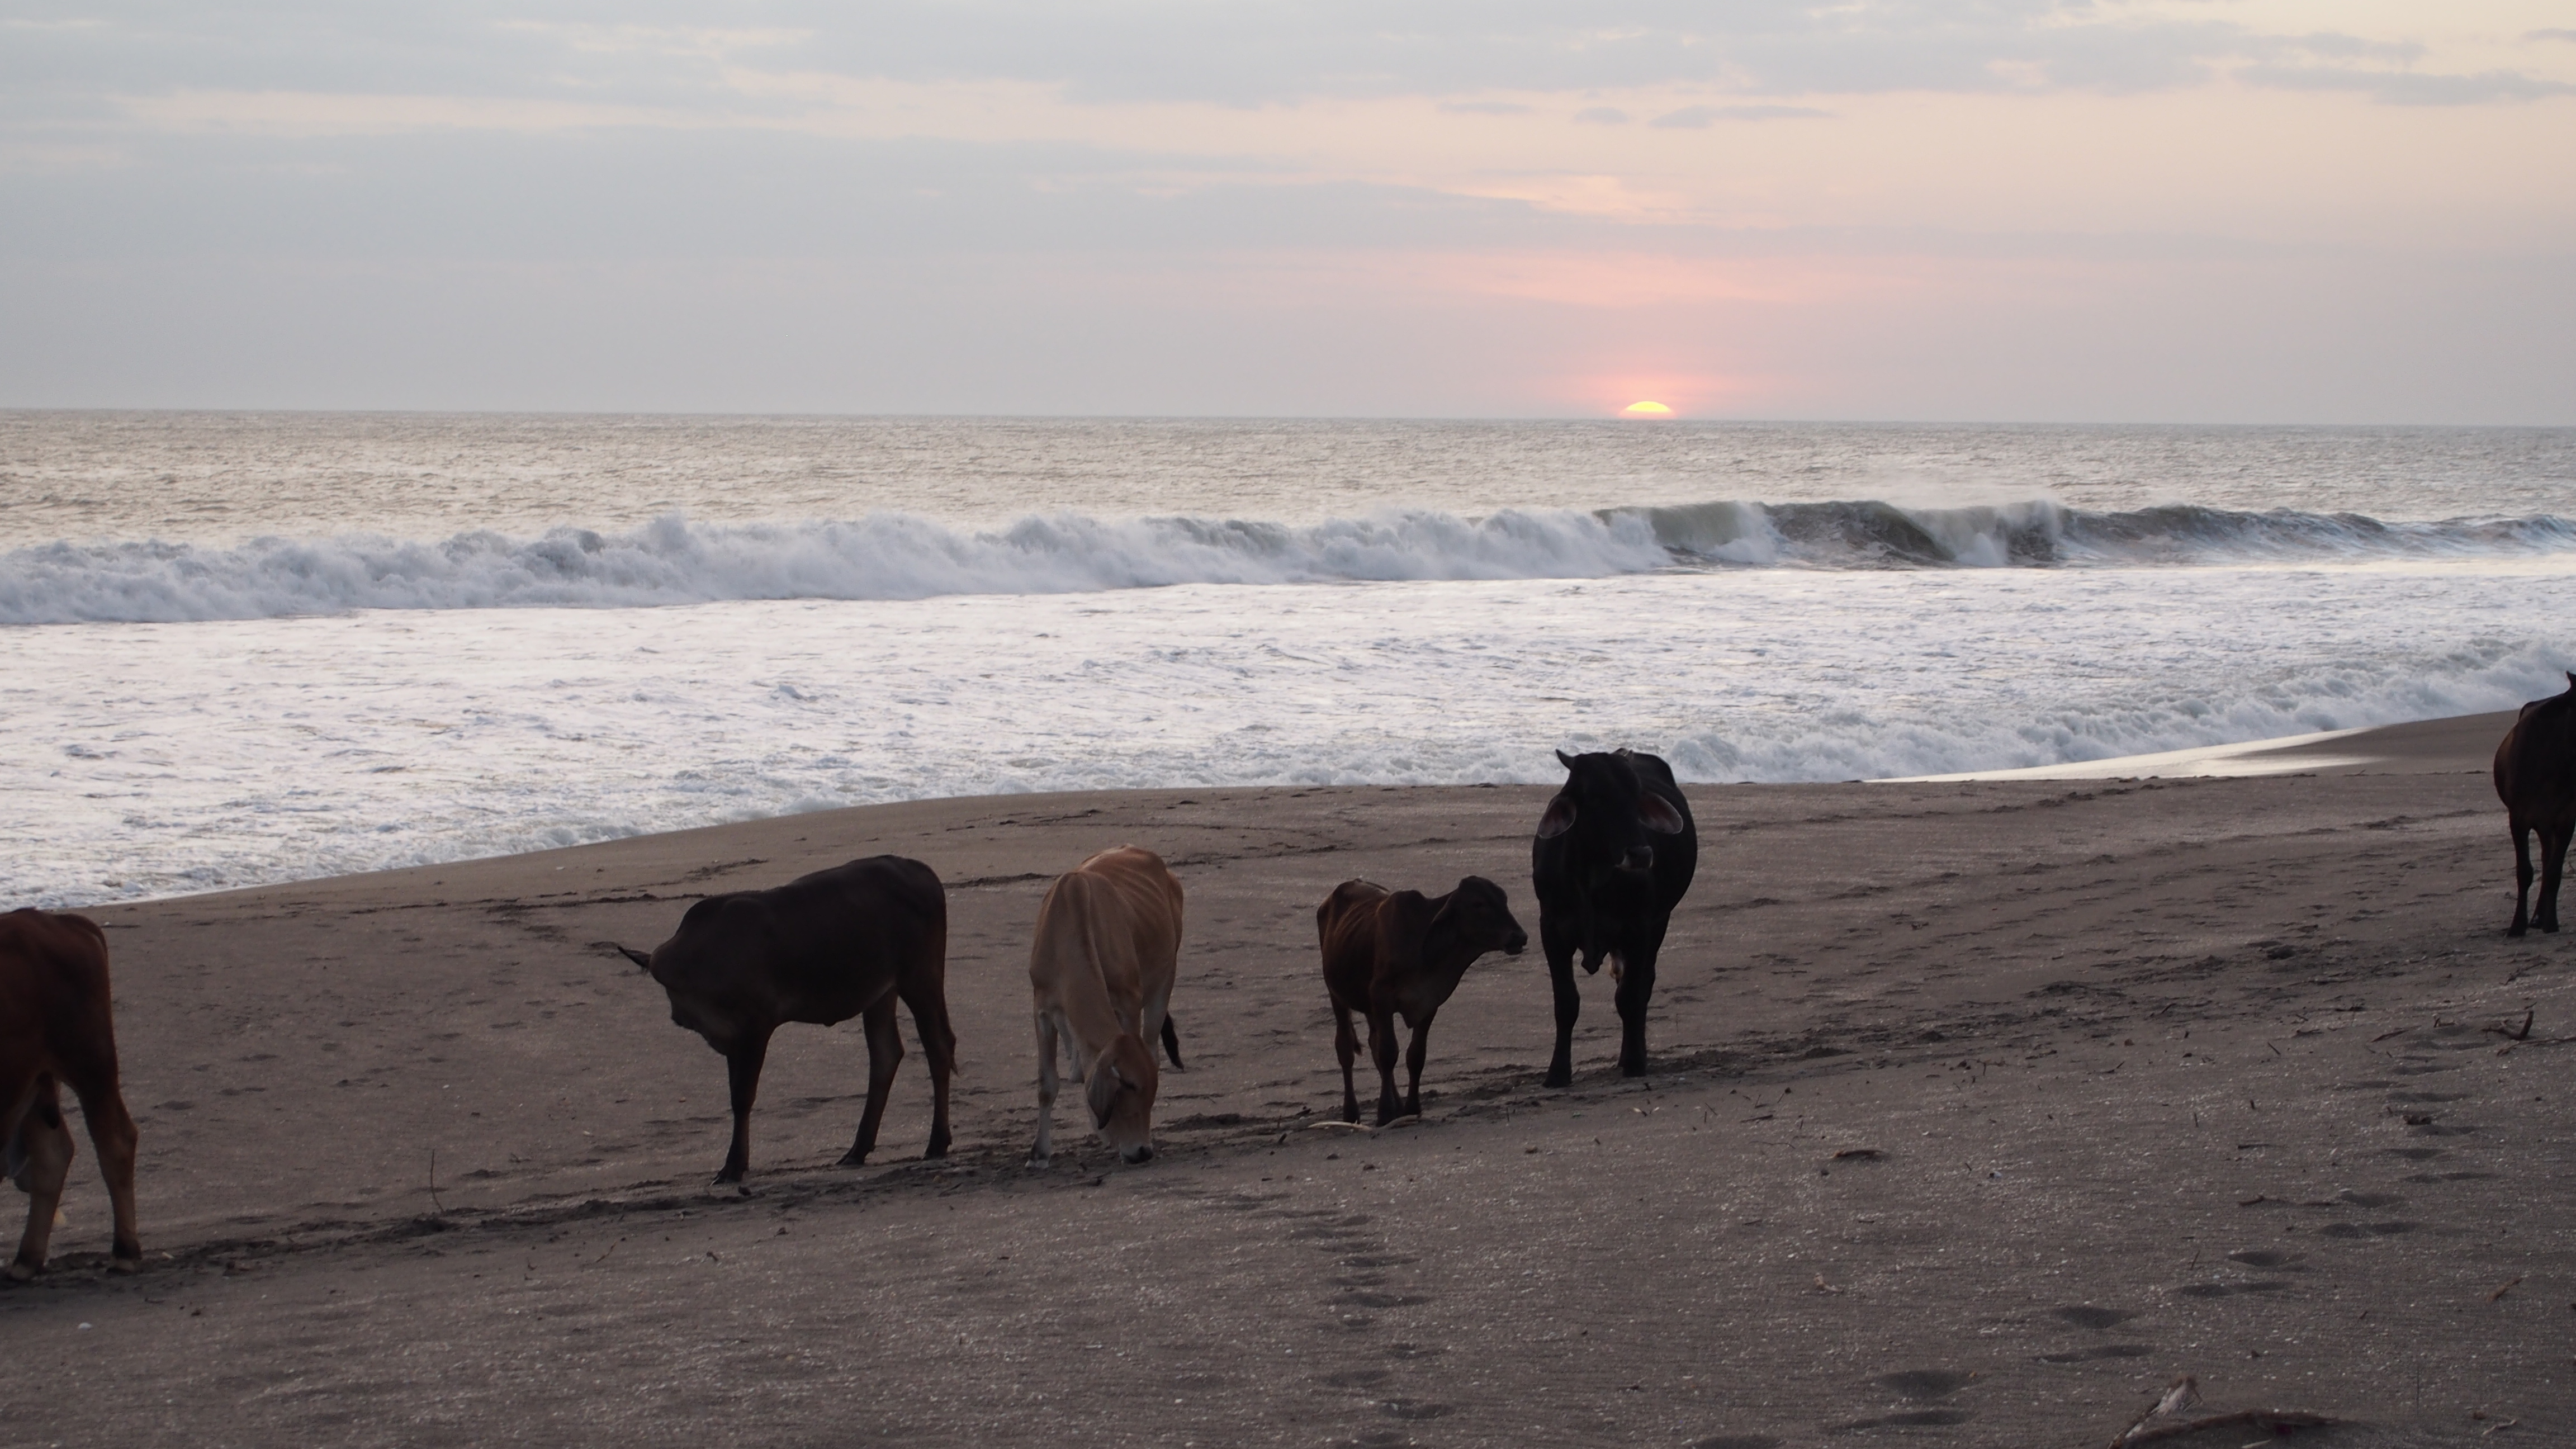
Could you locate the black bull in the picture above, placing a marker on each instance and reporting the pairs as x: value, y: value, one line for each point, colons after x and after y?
x: 822, y: 948
x: 1614, y: 853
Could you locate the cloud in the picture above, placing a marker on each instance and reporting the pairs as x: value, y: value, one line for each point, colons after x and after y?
x: 2410, y: 88
x: 1693, y: 118
x: 1486, y: 108
x: 1474, y: 57
x: 1602, y: 116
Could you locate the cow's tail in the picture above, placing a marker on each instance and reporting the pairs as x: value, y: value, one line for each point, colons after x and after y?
x: 1172, y: 1042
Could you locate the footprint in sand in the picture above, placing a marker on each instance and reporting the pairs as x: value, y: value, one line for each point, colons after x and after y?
x: 2229, y: 1290
x: 2107, y: 1350
x: 1915, y: 1384
x: 2085, y: 1315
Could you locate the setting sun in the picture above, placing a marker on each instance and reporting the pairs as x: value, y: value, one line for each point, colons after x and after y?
x: 1645, y: 410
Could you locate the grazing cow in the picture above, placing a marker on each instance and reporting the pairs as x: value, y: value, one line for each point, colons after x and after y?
x: 57, y: 1030
x: 2535, y: 776
x: 1107, y: 947
x: 844, y: 942
x: 1614, y: 853
x: 1389, y: 952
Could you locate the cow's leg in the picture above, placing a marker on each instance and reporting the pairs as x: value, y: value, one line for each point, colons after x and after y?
x: 1569, y: 1002
x: 1346, y: 1045
x: 1636, y: 992
x: 1413, y: 1059
x: 2521, y: 875
x: 742, y: 1075
x: 1636, y: 989
x: 1044, y: 1152
x: 939, y: 1043
x: 1382, y: 1050
x: 885, y: 1053
x: 44, y: 1146
x: 2553, y: 864
x: 111, y: 1131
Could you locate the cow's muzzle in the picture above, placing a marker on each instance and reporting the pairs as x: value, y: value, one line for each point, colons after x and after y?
x: 1640, y: 857
x: 1514, y: 943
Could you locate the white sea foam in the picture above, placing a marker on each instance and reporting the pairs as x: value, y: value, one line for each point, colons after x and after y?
x: 895, y: 556
x: 151, y: 759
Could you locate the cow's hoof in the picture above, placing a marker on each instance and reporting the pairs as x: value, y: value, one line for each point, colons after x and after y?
x: 1558, y: 1080
x: 852, y: 1158
x: 2513, y: 932
x: 1040, y: 1164
x: 727, y: 1179
x: 125, y: 1265
x: 938, y: 1148
x: 20, y: 1272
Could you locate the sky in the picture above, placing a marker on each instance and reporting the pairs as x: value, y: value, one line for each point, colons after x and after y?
x: 2331, y: 211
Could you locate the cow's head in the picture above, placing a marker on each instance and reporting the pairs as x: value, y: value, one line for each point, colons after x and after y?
x: 1121, y: 1094
x: 1477, y: 918
x: 1611, y: 817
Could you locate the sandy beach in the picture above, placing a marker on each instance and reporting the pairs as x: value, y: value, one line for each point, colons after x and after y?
x: 1980, y: 1112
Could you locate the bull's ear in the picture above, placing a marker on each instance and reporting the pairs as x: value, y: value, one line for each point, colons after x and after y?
x: 1559, y: 818
x: 1658, y: 813
x: 1565, y: 759
x: 1103, y: 1090
x: 642, y: 961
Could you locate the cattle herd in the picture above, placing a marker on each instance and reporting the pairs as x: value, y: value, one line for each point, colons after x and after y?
x: 1614, y: 852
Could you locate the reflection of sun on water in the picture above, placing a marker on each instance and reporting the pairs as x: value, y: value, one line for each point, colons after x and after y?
x: 1645, y: 410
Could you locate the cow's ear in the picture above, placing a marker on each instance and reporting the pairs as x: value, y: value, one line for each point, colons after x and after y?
x: 1440, y: 933
x: 1559, y: 818
x: 1103, y: 1090
x: 1658, y: 813
x: 1565, y: 759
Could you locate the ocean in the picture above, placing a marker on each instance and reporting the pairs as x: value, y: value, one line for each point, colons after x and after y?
x: 242, y: 648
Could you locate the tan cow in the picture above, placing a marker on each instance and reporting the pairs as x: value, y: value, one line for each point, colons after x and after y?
x: 56, y: 1032
x: 1108, y: 942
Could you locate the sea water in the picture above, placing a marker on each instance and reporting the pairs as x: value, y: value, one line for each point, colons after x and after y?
x: 240, y: 648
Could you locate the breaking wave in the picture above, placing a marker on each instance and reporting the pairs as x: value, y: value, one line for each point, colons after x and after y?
x: 893, y: 556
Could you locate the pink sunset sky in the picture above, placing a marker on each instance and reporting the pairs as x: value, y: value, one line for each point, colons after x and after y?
x: 2183, y: 210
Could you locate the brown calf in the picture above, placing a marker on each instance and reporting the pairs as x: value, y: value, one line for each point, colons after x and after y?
x: 1101, y: 968
x: 56, y: 1030
x: 1400, y: 952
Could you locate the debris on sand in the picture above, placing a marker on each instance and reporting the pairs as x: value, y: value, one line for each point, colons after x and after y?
x: 2170, y: 1418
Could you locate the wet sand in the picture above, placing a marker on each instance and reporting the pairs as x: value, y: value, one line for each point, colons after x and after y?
x: 1979, y: 1113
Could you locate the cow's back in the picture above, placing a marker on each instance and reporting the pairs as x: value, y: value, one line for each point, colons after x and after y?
x: 54, y: 996
x: 2535, y: 762
x: 1115, y: 920
x: 1148, y: 901
x: 821, y: 948
x: 1346, y: 933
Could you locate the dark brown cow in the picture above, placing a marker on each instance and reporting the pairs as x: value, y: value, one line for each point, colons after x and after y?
x: 2535, y: 776
x: 1400, y: 952
x: 1615, y: 851
x: 844, y: 942
x: 56, y: 1030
